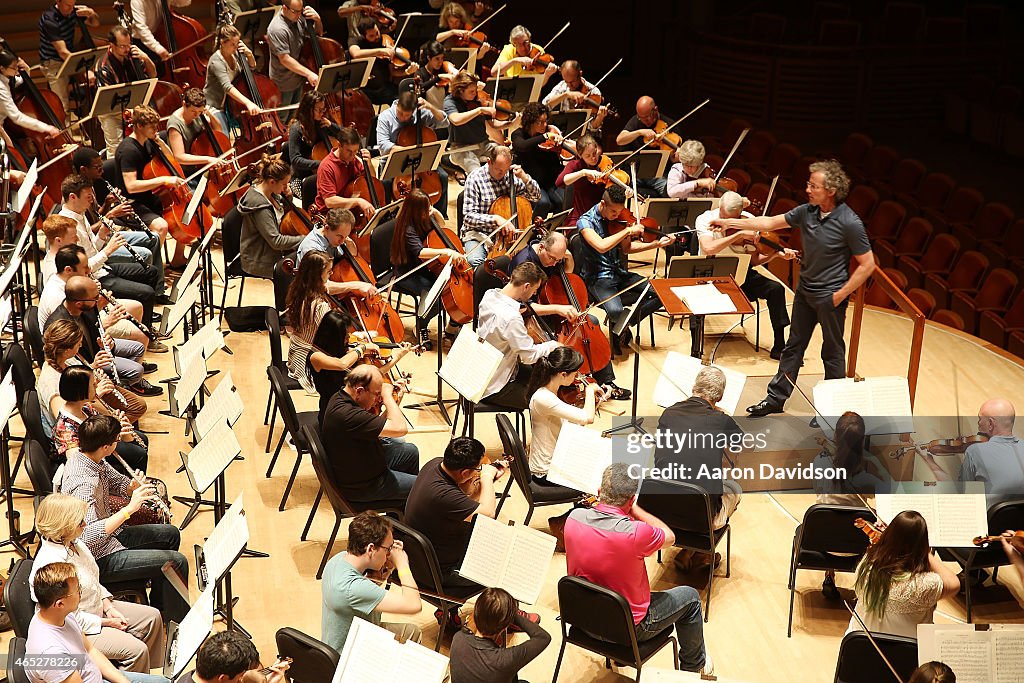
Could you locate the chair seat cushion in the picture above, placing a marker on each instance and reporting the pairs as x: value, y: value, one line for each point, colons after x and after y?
x: 553, y: 494
x: 812, y: 559
x: 310, y: 418
x: 993, y: 556
x: 698, y: 541
x: 620, y: 653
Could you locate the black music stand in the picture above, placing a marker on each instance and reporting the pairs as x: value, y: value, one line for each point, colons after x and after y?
x: 650, y: 163
x: 699, y: 267
x: 381, y: 215
x: 426, y: 303
x: 224, y: 602
x: 571, y: 120
x: 414, y: 29
x: 518, y: 90
x: 15, y: 538
x: 344, y: 76
x: 678, y: 215
x: 634, y: 423
x: 253, y: 24
x: 78, y: 62
x: 462, y: 58
x: 411, y: 160
x: 120, y: 98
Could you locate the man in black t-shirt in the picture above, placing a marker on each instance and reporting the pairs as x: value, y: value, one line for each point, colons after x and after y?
x: 381, y: 88
x: 636, y: 132
x: 369, y: 462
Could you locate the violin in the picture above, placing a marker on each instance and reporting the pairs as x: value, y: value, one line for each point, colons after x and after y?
x: 576, y: 393
x: 502, y: 108
x: 953, y: 446
x: 665, y: 139
x: 457, y: 295
x: 428, y: 181
x: 541, y: 60
x: 763, y: 242
x: 873, y: 531
x: 554, y: 141
x: 382, y: 15
x: 475, y: 39
x: 214, y: 143
x: 627, y: 220
x: 610, y: 175
x: 1015, y: 538
x: 367, y: 187
x: 184, y: 38
x: 175, y: 199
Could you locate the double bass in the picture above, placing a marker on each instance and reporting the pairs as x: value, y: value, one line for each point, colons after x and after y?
x: 184, y: 38
x: 261, y: 128
x: 348, y: 105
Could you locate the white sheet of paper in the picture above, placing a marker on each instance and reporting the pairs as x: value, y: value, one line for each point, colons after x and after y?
x: 487, y: 551
x: 371, y: 653
x: 515, y: 558
x: 5, y: 310
x: 193, y: 374
x: 25, y: 191
x: 193, y: 629
x: 186, y: 352
x: 705, y: 299
x: 174, y: 314
x: 224, y: 405
x: 677, y: 377
x: 883, y: 402
x: 991, y: 655
x: 211, y: 338
x: 435, y: 289
x: 580, y: 457
x: 418, y: 663
x: 226, y: 541
x: 954, y: 519
x: 212, y: 455
x: 470, y: 364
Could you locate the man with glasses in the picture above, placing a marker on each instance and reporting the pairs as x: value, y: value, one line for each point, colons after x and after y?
x: 639, y: 130
x: 516, y: 58
x: 831, y: 233
x: 572, y: 90
x: 351, y: 588
x: 287, y: 32
x: 123, y: 63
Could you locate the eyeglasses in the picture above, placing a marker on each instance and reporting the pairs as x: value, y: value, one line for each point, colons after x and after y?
x: 386, y: 548
x: 812, y: 186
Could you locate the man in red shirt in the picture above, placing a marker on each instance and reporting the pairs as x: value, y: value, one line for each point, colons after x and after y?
x: 607, y: 544
x: 339, y: 168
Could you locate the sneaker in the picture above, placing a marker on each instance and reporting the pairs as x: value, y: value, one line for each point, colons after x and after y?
x: 829, y: 590
x: 531, y: 617
x: 425, y: 342
x: 157, y: 347
x: 144, y: 388
x: 149, y: 368
x: 709, y: 665
x: 157, y: 318
x: 454, y: 619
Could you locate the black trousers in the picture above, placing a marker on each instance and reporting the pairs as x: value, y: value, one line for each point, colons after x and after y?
x: 809, y: 311
x: 513, y: 395
x: 757, y: 286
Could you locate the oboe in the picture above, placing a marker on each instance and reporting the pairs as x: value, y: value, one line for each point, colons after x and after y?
x: 111, y: 301
x: 113, y: 227
x: 119, y: 198
x: 135, y: 433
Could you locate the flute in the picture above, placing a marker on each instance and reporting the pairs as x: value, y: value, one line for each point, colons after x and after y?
x: 113, y: 366
x: 118, y: 394
x: 142, y: 482
x: 135, y: 432
x: 111, y: 301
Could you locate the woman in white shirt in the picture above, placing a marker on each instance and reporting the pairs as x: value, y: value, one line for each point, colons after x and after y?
x: 128, y: 634
x: 900, y: 580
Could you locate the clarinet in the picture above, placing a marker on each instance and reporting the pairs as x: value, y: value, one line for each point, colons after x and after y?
x: 116, y: 194
x: 135, y: 433
x: 136, y: 256
x: 111, y: 301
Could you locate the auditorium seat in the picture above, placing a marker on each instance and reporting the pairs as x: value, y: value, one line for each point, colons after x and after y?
x: 741, y: 177
x: 782, y: 205
x: 758, y: 192
x: 878, y: 163
x: 924, y: 301
x: 1015, y: 344
x: 757, y: 147
x: 863, y: 200
x: 988, y: 117
x: 839, y: 33
x: 965, y: 275
x: 912, y: 240
x: 1007, y: 252
x: 994, y: 295
x: 854, y: 149
x: 938, y: 257
x: 961, y: 207
x: 723, y: 143
x: 990, y: 223
x: 905, y: 177
x: 778, y: 163
x: 876, y: 296
x: 948, y: 318
x: 795, y: 182
x: 996, y: 327
x: 886, y: 221
x: 933, y: 192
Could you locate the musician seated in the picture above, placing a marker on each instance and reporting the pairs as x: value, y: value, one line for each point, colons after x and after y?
x: 480, y: 655
x: 543, y: 165
x: 483, y: 187
x: 683, y: 181
x: 262, y: 208
x: 344, y: 164
x: 370, y: 462
x: 187, y: 123
x: 126, y: 632
x: 500, y: 323
x: 334, y: 235
x: 288, y: 31
x: 221, y: 71
x: 309, y: 127
x: 122, y: 552
x: 516, y: 58
x: 571, y: 93
x: 122, y: 63
x: 448, y: 493
x: 230, y: 657
x: 699, y: 416
x: 9, y: 111
x: 55, y: 630
x: 409, y: 110
x: 585, y: 166
x: 354, y: 583
x: 639, y: 130
x: 435, y: 70
x: 603, y: 269
x: 57, y: 42
x: 129, y: 280
x: 354, y: 10
x: 756, y: 286
x: 607, y: 545
x: 381, y: 89
x: 456, y: 23
x: 79, y: 388
x: 471, y: 124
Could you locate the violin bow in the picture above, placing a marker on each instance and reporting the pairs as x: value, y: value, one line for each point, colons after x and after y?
x: 621, y: 291
x: 735, y: 146
x: 606, y: 74
x: 489, y: 17
x: 226, y: 155
x: 871, y: 638
x: 768, y: 198
x: 661, y: 135
x: 560, y: 32
x: 808, y: 399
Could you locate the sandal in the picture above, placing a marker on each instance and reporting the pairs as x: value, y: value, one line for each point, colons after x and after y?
x: 454, y: 620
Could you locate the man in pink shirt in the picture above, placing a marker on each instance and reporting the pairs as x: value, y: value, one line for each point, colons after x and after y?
x: 607, y: 545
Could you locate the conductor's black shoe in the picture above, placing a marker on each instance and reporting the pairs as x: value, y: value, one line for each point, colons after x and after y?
x: 776, y: 352
x: 765, y: 407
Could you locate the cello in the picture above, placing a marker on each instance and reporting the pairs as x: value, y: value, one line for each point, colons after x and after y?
x: 427, y: 181
x: 457, y: 295
x: 514, y: 208
x: 183, y: 37
x: 582, y: 334
x: 374, y: 311
x: 371, y: 189
x: 174, y: 200
x: 263, y: 127
x: 214, y: 143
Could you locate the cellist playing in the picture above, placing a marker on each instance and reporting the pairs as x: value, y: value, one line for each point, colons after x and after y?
x: 184, y: 126
x: 339, y: 168
x: 9, y: 66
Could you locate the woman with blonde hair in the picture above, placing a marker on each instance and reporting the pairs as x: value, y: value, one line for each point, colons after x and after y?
x: 129, y: 634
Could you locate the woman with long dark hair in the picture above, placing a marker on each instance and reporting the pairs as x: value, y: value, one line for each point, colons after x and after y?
x: 544, y: 166
x: 900, y: 580
x: 307, y: 129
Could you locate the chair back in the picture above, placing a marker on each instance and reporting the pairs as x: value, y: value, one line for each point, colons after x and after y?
x: 685, y: 507
x: 282, y: 281
x: 322, y: 467
x: 231, y: 236
x: 859, y: 661
x: 279, y: 386
x: 946, y: 317
x: 968, y: 271
x: 906, y: 176
x: 380, y: 248
x: 422, y: 558
x: 32, y: 418
x: 602, y: 612
x: 914, y: 235
x: 273, y: 320
x: 41, y: 468
x: 1006, y: 515
x: 941, y: 253
x: 371, y: 133
x: 16, y: 653
x: 286, y: 153
x: 512, y: 445
x: 18, y: 597
x: 995, y: 292
x: 483, y: 281
x: 992, y: 221
x: 312, y: 661
x: 15, y: 359
x: 923, y: 299
x: 854, y: 148
x: 934, y: 190
x: 34, y: 333
x: 886, y: 220
x: 963, y: 204
x: 576, y: 248
x: 830, y: 528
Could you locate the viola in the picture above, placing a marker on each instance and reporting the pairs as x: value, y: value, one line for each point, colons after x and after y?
x: 610, y: 174
x: 541, y: 60
x: 175, y: 199
x: 554, y: 141
x: 952, y: 446
x: 214, y: 143
x: 627, y: 220
x: 873, y: 531
x: 184, y: 38
x: 367, y: 187
x: 666, y: 139
x: 457, y: 295
x: 582, y: 334
x: 725, y: 184
x: 475, y: 39
x: 427, y: 181
x: 1016, y: 540
x: 401, y: 63
x: 263, y: 127
x: 575, y: 394
x: 383, y: 16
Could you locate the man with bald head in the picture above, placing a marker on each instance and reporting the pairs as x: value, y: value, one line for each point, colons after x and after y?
x: 999, y: 462
x: 637, y: 131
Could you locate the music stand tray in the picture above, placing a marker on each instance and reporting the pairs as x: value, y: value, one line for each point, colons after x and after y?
x: 650, y: 163
x: 254, y: 23
x: 462, y: 58
x: 414, y: 28
x: 80, y: 61
x: 571, y: 120
x: 418, y: 158
x: 120, y: 97
x: 344, y: 75
x: 519, y: 90
x: 382, y: 215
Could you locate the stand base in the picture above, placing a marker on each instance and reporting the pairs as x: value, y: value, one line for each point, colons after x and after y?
x: 193, y: 510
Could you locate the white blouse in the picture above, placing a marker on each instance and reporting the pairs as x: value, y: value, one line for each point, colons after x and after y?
x: 547, y: 412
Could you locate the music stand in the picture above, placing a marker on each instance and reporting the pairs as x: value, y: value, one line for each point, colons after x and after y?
x: 462, y: 58
x: 703, y: 266
x: 344, y: 76
x: 215, y: 559
x: 198, y: 621
x: 240, y: 180
x: 220, y: 446
x: 185, y: 297
x: 8, y: 402
x: 677, y: 215
x: 121, y: 97
x: 80, y: 61
x: 634, y: 423
x: 571, y: 120
x: 25, y: 191
x: 650, y: 163
x: 254, y: 23
x: 410, y: 160
x: 415, y: 28
x: 518, y: 90
x: 381, y: 215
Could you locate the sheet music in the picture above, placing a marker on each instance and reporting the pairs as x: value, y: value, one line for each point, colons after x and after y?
x: 954, y: 519
x: 193, y: 630
x: 1008, y: 654
x: 470, y: 364
x: 527, y: 565
x: 883, y: 402
x: 417, y: 663
x: 580, y: 457
x: 193, y: 374
x: 224, y: 405
x: 210, y: 337
x: 8, y: 397
x: 487, y: 552
x: 427, y: 301
x: 185, y: 300
x: 25, y: 191
x: 186, y: 352
x: 226, y: 541
x: 369, y: 651
x: 705, y: 299
x: 678, y: 375
x: 212, y: 455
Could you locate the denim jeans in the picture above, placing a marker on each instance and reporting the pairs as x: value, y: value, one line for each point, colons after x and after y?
x: 475, y: 252
x: 393, y: 487
x: 147, y: 548
x: 680, y: 606
x: 143, y: 678
x: 605, y: 287
x: 142, y: 243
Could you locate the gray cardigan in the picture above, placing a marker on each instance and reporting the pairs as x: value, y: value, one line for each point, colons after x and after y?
x: 262, y: 243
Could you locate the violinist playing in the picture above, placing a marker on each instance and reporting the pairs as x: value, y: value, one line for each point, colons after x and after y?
x: 471, y: 123
x: 9, y: 66
x: 435, y: 71
x: 337, y: 170
x: 585, y: 195
x: 682, y: 177
x: 483, y: 187
x: 332, y: 237
x: 572, y: 91
x: 602, y: 266
x: 57, y: 41
x: 288, y: 30
x: 639, y: 130
x: 262, y: 208
x: 381, y: 88
x: 354, y: 10
x: 309, y: 128
x: 543, y: 165
x: 221, y: 71
x: 756, y: 286
x: 455, y: 26
x: 183, y: 127
x: 517, y: 57
x: 123, y: 63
